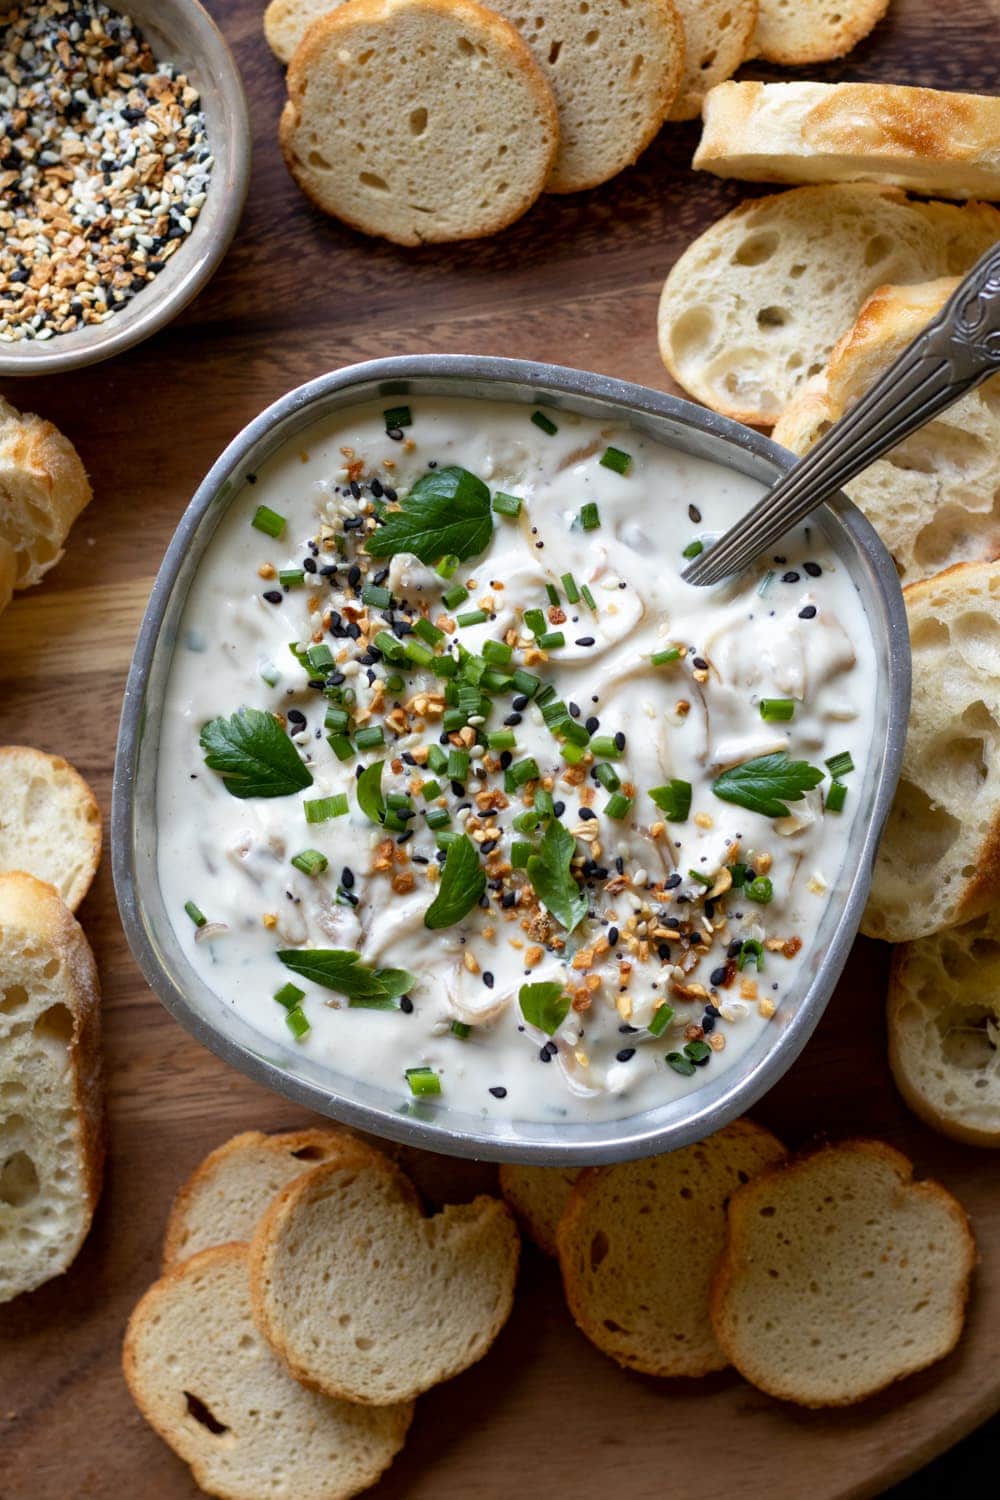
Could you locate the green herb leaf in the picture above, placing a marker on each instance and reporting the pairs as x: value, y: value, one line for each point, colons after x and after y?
x: 550, y: 874
x: 544, y: 1005
x: 254, y: 755
x: 463, y: 881
x: 446, y: 512
x: 766, y: 783
x: 341, y: 970
x: 369, y: 790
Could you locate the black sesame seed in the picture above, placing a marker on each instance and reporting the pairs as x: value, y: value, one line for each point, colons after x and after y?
x: 458, y: 788
x: 735, y: 948
x: 673, y: 882
x: 585, y: 640
x: 508, y: 899
x: 347, y: 877
x: 790, y: 577
x: 498, y: 1091
x: 558, y: 808
x: 506, y: 758
x: 613, y: 936
x: 389, y: 492
x: 488, y: 846
x: 354, y: 575
x: 406, y: 1005
x: 520, y: 702
x: 625, y: 1055
x: 273, y: 596
x: 717, y: 976
x: 809, y: 613
x: 694, y: 514
x: 295, y: 716
x: 707, y: 1023
x: 574, y: 709
x: 813, y: 569
x: 593, y: 724
x: 511, y: 720
x: 310, y: 564
x: 619, y: 741
x: 488, y: 979
x: 627, y: 1030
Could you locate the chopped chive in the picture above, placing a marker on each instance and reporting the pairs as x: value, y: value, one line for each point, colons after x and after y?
x: 374, y: 593
x: 423, y: 1081
x: 545, y: 423
x: 520, y: 852
x: 395, y: 683
x: 291, y: 578
x: 524, y: 770
x: 526, y: 682
x: 268, y: 521
x: 553, y: 594
x: 839, y: 765
x: 535, y: 621
x: 296, y: 1022
x: 618, y: 806
x: 458, y: 765
x: 663, y: 658
x: 336, y: 719
x: 571, y: 753
x: 589, y: 518
x: 447, y: 566
x: 760, y: 890
x: 569, y: 588
x: 502, y: 739
x: 506, y: 505
x: 473, y: 617
x: 836, y: 797
x: 497, y: 652
x: 660, y: 1019
x: 497, y: 682
x: 461, y: 1029
x: 673, y: 800
x: 399, y: 800
x: 196, y: 914
x: 680, y: 1064
x: 607, y: 776
x: 588, y: 598
x: 320, y: 658
x: 604, y: 747
x: 550, y: 640
x: 446, y: 838
x: 417, y: 652
x: 444, y: 666
x: 616, y: 459
x: 777, y: 710
x: 705, y: 880
x: 310, y: 862
x: 369, y: 737
x: 573, y: 732
x: 321, y: 809
x: 430, y: 790
x: 438, y: 817
x: 693, y: 549
x: 428, y: 632
x: 751, y: 952
x: 389, y: 646
x: 396, y: 417
x: 341, y: 746
x: 289, y: 996
x: 437, y: 759
x: 453, y: 597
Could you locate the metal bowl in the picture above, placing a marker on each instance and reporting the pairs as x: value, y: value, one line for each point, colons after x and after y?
x: 435, y: 1126
x: 179, y: 31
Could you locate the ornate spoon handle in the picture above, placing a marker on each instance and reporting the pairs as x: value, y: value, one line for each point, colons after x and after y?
x: 954, y: 353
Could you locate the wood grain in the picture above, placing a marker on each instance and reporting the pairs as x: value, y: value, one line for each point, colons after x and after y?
x: 576, y: 281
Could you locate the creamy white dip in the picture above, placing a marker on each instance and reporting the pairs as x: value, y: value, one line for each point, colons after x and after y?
x: 666, y: 923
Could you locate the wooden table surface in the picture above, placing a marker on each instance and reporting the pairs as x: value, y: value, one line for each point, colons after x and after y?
x: 544, y: 1414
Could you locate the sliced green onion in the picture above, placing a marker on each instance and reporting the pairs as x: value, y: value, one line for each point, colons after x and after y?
x: 840, y: 765
x: 497, y: 652
x: 445, y: 839
x: 289, y: 996
x: 777, y: 710
x: 550, y: 640
x: 673, y: 800
x: 523, y: 771
x: 430, y: 790
x: 502, y: 739
x: 447, y: 566
x: 268, y: 521
x: 297, y: 1024
x: 389, y: 646
x: 526, y: 682
x: 291, y: 578
x: 438, y: 817
x: 680, y: 1064
x: 506, y: 505
x: 461, y: 1029
x: 458, y: 765
x: 615, y: 459
x: 336, y: 719
x: 760, y: 890
x: 423, y: 1081
x: 693, y: 549
x: 535, y: 621
x: 341, y: 746
x: 320, y: 658
x: 571, y: 753
x: 705, y: 880
x: 369, y: 737
x: 444, y: 666
x: 604, y: 747
x: 473, y: 617
x: 660, y: 1019
x: 196, y: 914
x: 417, y: 652
x: 375, y: 594
x: 588, y: 598
x: 437, y: 759
x: 569, y: 588
x: 589, y: 518
x: 399, y: 800
x: 394, y: 682
x: 455, y: 596
x: 545, y: 423
x: 751, y: 952
x: 310, y: 862
x: 428, y: 632
x: 397, y: 416
x: 553, y: 594
x: 321, y: 809
x: 497, y: 682
x: 520, y: 852
x: 663, y: 658
x: 836, y: 797
x: 607, y: 776
x: 576, y: 734
x: 618, y: 806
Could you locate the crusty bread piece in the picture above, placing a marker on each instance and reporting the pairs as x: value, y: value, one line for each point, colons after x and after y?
x: 50, y: 823
x: 935, y: 499
x: 43, y: 488
x: 287, y: 21
x: 939, y: 860
x: 755, y: 305
x: 538, y: 1196
x: 841, y: 1275
x: 223, y: 1200
x: 464, y: 135
x: 615, y: 71
x: 944, y: 1029
x: 51, y: 1104
x: 208, y: 1384
x: 718, y: 36
x: 794, y: 32
x: 926, y: 140
x: 637, y: 1244
x: 365, y: 1298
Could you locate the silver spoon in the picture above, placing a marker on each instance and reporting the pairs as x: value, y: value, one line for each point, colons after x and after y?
x: 953, y: 354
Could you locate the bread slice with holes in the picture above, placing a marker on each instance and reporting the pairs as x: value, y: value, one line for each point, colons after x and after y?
x: 50, y: 823
x: 938, y: 864
x: 51, y: 1103
x: 43, y: 488
x: 638, y: 1242
x: 754, y: 307
x: 464, y: 135
x: 615, y: 71
x: 229, y: 1193
x: 926, y: 140
x: 538, y: 1196
x: 841, y: 1275
x: 718, y: 37
x: 935, y: 499
x: 209, y: 1385
x: 944, y: 1029
x: 794, y: 33
x: 364, y: 1297
x: 287, y: 21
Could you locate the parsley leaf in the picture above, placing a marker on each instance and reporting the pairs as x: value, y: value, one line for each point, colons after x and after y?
x: 463, y: 881
x: 549, y: 872
x: 254, y: 755
x: 766, y: 783
x: 341, y: 970
x: 544, y: 1005
x: 447, y: 512
x: 369, y: 791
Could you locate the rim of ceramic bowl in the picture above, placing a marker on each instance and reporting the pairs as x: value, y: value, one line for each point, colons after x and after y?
x: 181, y: 31
x: 434, y: 1126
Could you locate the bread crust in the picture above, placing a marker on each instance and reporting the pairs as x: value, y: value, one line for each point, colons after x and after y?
x: 742, y: 1210
x: 522, y: 1203
x: 728, y: 50
x: 820, y: 38
x: 14, y: 759
x: 281, y: 24
x: 38, y: 462
x: 333, y: 31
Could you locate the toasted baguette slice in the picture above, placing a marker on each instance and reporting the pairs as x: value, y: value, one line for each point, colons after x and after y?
x: 795, y: 32
x: 43, y: 488
x: 939, y: 860
x: 208, y: 1384
x: 841, y: 1275
x: 223, y: 1200
x: 718, y: 36
x: 430, y: 163
x: 51, y: 1106
x: 926, y: 140
x: 944, y: 1030
x: 933, y: 498
x: 50, y: 823
x: 287, y: 21
x: 363, y: 1297
x: 754, y: 307
x: 637, y: 1244
x: 615, y: 72
x: 538, y: 1196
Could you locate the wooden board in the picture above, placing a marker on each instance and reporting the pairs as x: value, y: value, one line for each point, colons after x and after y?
x: 545, y: 1414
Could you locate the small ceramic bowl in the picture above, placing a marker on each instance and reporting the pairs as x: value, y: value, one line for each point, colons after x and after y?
x: 314, y: 1081
x: 181, y: 32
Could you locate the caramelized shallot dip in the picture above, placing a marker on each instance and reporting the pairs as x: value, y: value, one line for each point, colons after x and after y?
x: 523, y: 821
